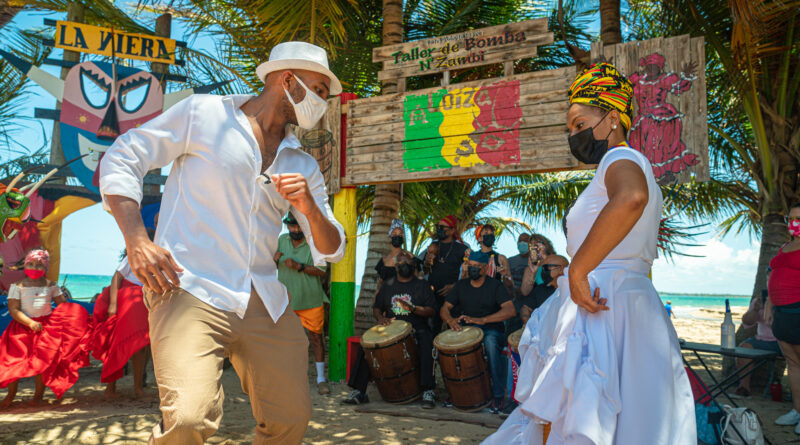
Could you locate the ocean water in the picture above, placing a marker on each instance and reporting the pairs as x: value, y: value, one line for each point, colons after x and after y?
x: 84, y: 287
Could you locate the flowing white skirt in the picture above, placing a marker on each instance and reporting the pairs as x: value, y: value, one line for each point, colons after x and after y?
x: 614, y: 377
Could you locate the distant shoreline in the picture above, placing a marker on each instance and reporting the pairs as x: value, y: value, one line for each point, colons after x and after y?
x: 697, y: 294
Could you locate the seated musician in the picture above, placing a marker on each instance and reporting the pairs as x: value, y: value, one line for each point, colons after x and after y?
x: 484, y: 303
x: 408, y: 298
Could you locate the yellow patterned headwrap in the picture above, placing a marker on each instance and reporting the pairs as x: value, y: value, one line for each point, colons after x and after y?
x: 602, y: 86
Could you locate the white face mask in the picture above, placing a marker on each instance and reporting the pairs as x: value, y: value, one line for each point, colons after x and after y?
x: 309, y: 110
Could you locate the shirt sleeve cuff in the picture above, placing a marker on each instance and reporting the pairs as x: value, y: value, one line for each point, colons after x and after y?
x: 120, y: 184
x: 320, y: 258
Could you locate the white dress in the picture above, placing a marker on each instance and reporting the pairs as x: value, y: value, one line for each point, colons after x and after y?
x: 613, y: 377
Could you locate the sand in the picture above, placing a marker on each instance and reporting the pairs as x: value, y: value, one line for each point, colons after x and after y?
x: 84, y: 417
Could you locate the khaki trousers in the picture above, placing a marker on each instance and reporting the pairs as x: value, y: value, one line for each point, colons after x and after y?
x: 190, y: 340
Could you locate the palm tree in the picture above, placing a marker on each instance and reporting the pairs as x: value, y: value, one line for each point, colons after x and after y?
x: 386, y: 200
x: 753, y: 73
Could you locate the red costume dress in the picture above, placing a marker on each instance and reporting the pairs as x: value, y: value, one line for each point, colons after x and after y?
x: 57, y: 352
x: 114, y: 339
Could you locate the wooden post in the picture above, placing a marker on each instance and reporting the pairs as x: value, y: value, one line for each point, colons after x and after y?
x: 74, y: 14
x: 163, y: 29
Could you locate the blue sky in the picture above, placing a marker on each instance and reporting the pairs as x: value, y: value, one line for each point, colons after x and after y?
x: 91, y: 241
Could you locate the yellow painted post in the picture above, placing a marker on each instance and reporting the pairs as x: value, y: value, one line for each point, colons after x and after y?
x: 343, y: 286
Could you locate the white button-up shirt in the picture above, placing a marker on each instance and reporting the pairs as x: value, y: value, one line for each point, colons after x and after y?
x: 220, y: 216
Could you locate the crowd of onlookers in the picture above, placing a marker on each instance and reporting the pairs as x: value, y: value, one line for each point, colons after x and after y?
x: 453, y: 284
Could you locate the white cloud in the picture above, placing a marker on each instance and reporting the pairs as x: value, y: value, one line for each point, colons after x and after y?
x: 718, y: 268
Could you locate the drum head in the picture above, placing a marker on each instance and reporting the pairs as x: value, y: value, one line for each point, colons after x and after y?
x: 378, y: 336
x: 514, y: 338
x: 451, y: 340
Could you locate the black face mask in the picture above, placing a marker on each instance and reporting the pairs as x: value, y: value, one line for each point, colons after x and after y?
x: 488, y: 240
x: 474, y: 273
x: 297, y: 236
x: 441, y: 234
x: 586, y: 148
x: 546, y: 277
x: 405, y: 270
x: 397, y: 241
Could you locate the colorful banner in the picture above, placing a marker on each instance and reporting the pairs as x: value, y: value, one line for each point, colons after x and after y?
x: 108, y: 42
x: 463, y: 128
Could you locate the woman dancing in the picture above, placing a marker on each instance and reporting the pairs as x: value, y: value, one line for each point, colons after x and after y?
x: 41, y: 342
x: 120, y: 330
x: 605, y: 365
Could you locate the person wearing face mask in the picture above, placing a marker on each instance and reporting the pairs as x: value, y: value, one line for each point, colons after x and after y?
x: 498, y: 264
x: 210, y: 273
x: 784, y: 296
x: 483, y: 302
x: 607, y: 338
x: 409, y: 298
x: 41, y: 342
x: 386, y: 265
x: 518, y: 263
x: 303, y: 281
x: 552, y: 267
x: 445, y: 263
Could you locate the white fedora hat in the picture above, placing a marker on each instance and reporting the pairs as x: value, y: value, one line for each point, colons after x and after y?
x: 300, y: 56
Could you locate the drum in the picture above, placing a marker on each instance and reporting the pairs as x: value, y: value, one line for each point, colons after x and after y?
x: 393, y: 357
x: 465, y: 369
x: 513, y: 353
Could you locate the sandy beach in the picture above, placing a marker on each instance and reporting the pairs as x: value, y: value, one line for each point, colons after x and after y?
x: 84, y: 416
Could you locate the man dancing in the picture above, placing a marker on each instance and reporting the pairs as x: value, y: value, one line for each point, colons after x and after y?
x: 210, y: 278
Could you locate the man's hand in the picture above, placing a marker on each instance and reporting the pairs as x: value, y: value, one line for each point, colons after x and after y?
x: 469, y: 320
x: 292, y: 264
x: 112, y: 309
x: 454, y: 324
x: 406, y: 305
x: 35, y: 326
x: 383, y: 321
x: 582, y: 295
x: 153, y: 266
x: 278, y: 256
x: 445, y: 291
x: 294, y: 188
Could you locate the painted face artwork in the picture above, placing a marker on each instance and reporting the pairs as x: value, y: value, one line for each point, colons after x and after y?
x: 101, y: 102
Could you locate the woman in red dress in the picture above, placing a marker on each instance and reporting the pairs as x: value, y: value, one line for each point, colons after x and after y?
x: 120, y: 331
x: 41, y: 342
x: 784, y: 294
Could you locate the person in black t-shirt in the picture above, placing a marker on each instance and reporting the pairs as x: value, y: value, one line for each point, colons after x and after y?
x: 445, y: 266
x: 483, y: 302
x: 553, y: 267
x: 408, y: 298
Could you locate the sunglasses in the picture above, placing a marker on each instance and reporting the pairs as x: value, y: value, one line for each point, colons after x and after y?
x: 549, y: 267
x: 443, y: 227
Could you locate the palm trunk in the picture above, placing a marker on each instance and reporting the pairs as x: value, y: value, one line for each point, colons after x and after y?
x: 7, y: 13
x: 610, y: 29
x: 386, y: 204
x: 773, y: 236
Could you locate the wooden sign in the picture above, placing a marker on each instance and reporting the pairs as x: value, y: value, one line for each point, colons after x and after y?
x: 329, y: 155
x: 108, y: 42
x: 464, y: 50
x: 512, y: 125
x: 670, y: 123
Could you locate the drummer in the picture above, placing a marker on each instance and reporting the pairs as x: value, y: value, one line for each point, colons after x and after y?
x: 484, y: 303
x: 409, y: 298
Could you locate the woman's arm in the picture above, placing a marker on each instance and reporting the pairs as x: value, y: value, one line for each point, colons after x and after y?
x: 14, y: 308
x: 112, y: 293
x: 528, y: 279
x: 627, y: 199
